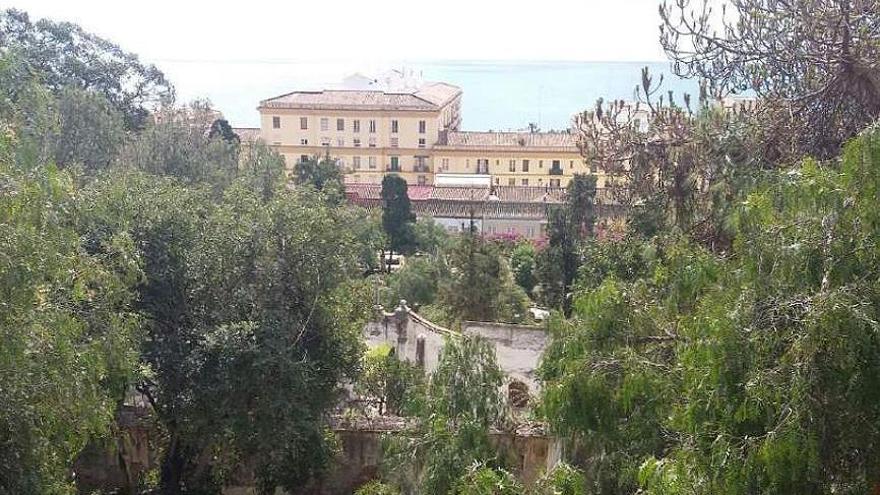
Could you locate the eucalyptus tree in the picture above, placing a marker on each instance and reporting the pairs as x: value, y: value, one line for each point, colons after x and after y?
x: 753, y: 372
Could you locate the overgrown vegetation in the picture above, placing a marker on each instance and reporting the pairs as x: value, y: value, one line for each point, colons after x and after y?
x: 726, y: 342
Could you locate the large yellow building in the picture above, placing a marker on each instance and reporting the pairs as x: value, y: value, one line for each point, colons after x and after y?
x: 412, y: 129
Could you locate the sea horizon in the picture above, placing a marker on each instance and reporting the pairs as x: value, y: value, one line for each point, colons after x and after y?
x: 498, y: 94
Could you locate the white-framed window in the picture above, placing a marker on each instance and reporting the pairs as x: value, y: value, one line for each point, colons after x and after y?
x: 394, y: 127
x: 525, y: 165
x: 276, y: 122
x: 340, y: 124
x: 525, y: 182
x: 445, y: 163
x: 421, y: 142
x: 355, y: 126
x: 422, y: 127
x: 372, y: 126
x: 394, y: 142
x: 357, y: 142
x: 512, y: 167
x: 325, y: 124
x: 371, y: 162
x: 303, y: 123
x: 356, y: 162
x: 395, y: 164
x: 372, y: 142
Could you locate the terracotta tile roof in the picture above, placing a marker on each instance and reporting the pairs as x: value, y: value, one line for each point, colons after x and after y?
x: 438, y: 93
x: 358, y: 191
x: 460, y: 193
x: 428, y: 97
x: 518, y: 140
x: 247, y: 134
x: 353, y: 100
x: 529, y: 194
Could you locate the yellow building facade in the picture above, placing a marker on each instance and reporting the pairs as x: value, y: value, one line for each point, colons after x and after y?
x: 412, y: 131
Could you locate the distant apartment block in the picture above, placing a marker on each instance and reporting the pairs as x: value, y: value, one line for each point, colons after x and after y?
x: 398, y: 124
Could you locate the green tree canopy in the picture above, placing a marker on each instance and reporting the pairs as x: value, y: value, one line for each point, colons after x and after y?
x: 741, y: 374
x: 397, y: 215
x: 66, y: 56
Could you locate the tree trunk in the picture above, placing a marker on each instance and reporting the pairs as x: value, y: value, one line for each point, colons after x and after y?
x: 173, y: 463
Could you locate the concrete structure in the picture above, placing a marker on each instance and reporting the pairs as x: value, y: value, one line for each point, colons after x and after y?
x: 518, y: 348
x: 396, y: 123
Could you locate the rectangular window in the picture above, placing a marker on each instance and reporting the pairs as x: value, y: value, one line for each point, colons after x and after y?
x: 540, y: 163
x: 276, y: 122
x: 373, y: 126
x: 356, y: 126
x: 357, y: 142
x: 340, y: 142
x: 422, y: 127
x: 303, y: 158
x: 325, y: 141
x: 513, y: 165
x: 340, y: 124
x: 482, y: 165
x: 304, y: 142
x: 395, y: 164
x: 421, y: 164
x: 445, y: 163
x: 421, y: 142
x: 525, y: 182
x: 421, y: 180
x: 303, y: 123
x: 372, y: 142
x: 525, y: 166
x: 356, y: 162
x: 394, y: 127
x: 554, y: 183
x: 371, y: 162
x: 511, y: 181
x: 394, y: 142
x: 325, y: 124
x: 571, y: 164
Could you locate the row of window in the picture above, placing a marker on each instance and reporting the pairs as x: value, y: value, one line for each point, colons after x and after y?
x: 420, y: 163
x: 356, y: 142
x: 511, y: 181
x: 340, y: 125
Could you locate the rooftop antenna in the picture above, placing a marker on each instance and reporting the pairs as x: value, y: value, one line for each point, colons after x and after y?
x: 540, y: 102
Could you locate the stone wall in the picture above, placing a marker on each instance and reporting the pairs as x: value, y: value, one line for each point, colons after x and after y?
x: 530, y: 453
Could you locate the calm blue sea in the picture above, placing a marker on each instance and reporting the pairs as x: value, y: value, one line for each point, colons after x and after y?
x: 498, y: 95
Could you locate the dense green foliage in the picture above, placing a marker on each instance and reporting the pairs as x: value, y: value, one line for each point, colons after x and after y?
x: 451, y: 433
x: 686, y: 372
x: 67, y: 57
x: 567, y: 225
x: 170, y: 263
x: 322, y: 174
x: 66, y: 326
x: 395, y: 386
x: 480, y: 286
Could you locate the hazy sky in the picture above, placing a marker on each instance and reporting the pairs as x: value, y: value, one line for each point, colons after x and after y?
x: 254, y: 49
x: 165, y: 30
